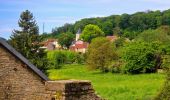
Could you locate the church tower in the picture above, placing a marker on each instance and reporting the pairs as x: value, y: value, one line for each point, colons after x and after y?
x: 78, y: 34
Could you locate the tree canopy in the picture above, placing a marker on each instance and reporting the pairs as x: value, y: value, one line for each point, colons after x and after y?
x: 65, y: 39
x: 91, y: 31
x: 100, y: 54
x: 129, y: 24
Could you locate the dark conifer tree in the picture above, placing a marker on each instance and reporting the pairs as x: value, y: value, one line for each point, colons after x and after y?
x: 27, y: 40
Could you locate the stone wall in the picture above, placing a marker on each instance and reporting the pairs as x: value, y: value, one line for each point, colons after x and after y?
x: 71, y: 90
x: 19, y: 82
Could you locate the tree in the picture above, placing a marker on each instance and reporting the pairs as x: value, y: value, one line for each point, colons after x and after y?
x: 91, y: 31
x: 124, y: 21
x: 117, y: 31
x: 140, y: 57
x: 100, y: 54
x: 107, y: 27
x: 65, y: 28
x: 65, y: 39
x: 27, y: 41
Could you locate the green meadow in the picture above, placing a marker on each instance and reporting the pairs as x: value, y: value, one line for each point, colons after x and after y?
x: 113, y: 86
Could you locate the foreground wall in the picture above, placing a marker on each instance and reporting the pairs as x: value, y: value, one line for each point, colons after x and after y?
x: 19, y: 82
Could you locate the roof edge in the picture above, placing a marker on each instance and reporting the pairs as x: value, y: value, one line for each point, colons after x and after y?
x: 4, y: 43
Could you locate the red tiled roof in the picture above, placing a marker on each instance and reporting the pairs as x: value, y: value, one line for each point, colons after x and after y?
x: 79, y: 45
x: 45, y: 43
x: 112, y: 38
x: 72, y: 48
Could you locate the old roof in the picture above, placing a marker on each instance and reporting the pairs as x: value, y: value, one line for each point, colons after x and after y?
x: 79, y: 45
x: 112, y: 38
x: 45, y: 43
x: 4, y: 43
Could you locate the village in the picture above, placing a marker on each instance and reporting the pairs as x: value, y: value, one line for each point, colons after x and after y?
x: 77, y: 45
x: 84, y: 50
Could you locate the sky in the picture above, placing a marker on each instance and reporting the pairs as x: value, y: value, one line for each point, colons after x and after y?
x: 55, y: 13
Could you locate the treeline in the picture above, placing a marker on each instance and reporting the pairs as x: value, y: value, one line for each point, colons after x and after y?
x: 128, y: 25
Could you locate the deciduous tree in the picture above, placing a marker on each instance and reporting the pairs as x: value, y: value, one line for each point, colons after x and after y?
x: 65, y: 39
x: 100, y: 54
x: 91, y: 31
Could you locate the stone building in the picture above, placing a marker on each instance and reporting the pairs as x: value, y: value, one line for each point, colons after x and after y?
x: 79, y: 46
x: 51, y: 44
x: 21, y: 80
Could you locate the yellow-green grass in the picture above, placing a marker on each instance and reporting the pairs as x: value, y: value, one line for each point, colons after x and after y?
x: 114, y: 86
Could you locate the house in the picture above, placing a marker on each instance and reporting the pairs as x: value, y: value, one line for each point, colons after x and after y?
x: 51, y: 44
x: 79, y: 45
x: 112, y: 38
x: 21, y: 80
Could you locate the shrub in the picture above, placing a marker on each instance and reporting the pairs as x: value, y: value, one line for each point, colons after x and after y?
x: 79, y: 58
x: 70, y: 56
x: 164, y: 94
x: 139, y: 57
x: 115, y: 66
x: 57, y: 58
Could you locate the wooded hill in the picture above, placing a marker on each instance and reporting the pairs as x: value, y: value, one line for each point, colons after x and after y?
x: 128, y: 25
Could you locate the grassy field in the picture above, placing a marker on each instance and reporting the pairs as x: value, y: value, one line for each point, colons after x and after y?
x: 114, y: 86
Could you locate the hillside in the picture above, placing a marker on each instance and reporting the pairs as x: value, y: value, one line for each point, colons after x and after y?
x: 128, y: 25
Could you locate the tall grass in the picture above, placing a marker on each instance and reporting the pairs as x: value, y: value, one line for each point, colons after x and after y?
x: 113, y: 86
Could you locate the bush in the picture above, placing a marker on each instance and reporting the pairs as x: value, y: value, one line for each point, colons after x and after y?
x: 139, y: 57
x: 115, y: 66
x: 57, y: 58
x: 165, y: 92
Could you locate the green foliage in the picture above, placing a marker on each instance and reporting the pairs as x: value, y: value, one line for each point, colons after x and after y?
x: 117, y: 31
x: 91, y: 31
x: 27, y: 40
x: 107, y: 28
x: 65, y: 39
x: 119, y: 42
x: 130, y: 24
x: 113, y: 86
x: 58, y: 58
x: 164, y: 94
x: 139, y: 57
x: 130, y: 34
x: 159, y: 35
x: 45, y: 36
x: 100, y: 54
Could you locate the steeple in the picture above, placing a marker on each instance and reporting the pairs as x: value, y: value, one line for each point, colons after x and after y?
x: 79, y: 31
x: 78, y: 34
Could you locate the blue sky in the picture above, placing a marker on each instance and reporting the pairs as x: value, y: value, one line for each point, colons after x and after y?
x: 55, y: 13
